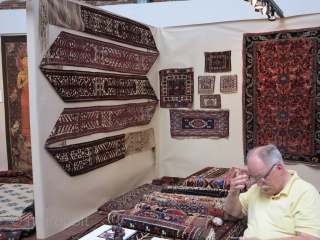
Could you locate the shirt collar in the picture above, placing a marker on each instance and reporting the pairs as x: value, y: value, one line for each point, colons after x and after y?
x: 287, y: 188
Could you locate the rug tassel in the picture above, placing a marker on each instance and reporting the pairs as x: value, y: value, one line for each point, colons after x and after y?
x: 211, y: 235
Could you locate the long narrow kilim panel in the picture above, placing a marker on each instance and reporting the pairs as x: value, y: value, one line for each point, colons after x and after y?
x: 79, y: 122
x: 73, y: 50
x: 199, y: 124
x: 280, y: 93
x: 176, y: 88
x: 74, y: 86
x: 98, y: 22
x: 84, y: 157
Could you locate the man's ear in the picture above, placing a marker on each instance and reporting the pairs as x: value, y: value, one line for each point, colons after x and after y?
x: 280, y: 168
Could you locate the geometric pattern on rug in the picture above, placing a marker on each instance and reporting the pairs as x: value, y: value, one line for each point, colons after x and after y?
x: 76, y: 86
x: 280, y: 93
x: 176, y: 88
x: 94, y: 21
x: 228, y: 84
x: 210, y: 101
x: 206, y: 84
x: 199, y: 123
x: 78, y: 51
x: 217, y: 61
x: 14, y: 199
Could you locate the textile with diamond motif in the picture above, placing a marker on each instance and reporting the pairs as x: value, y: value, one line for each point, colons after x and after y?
x: 97, y: 22
x: 76, y: 86
x: 280, y: 93
x: 210, y: 101
x: 211, y: 192
x: 73, y: 50
x: 217, y: 61
x: 181, y: 219
x: 206, y: 84
x: 161, y: 227
x: 176, y: 88
x: 228, y: 83
x: 199, y: 124
x: 80, y: 158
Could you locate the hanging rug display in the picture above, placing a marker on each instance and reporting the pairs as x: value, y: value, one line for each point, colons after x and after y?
x: 199, y: 123
x: 94, y: 21
x: 74, y: 50
x: 176, y: 88
x: 281, y: 103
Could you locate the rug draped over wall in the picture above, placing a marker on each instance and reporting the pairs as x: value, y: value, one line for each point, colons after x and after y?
x: 280, y: 93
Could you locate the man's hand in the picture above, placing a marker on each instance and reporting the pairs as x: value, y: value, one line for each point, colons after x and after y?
x: 237, y: 182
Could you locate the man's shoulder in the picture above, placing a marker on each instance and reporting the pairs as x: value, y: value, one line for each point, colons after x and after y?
x: 303, y: 187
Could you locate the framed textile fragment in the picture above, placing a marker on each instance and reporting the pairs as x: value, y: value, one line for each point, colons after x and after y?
x: 206, y: 84
x: 210, y: 101
x: 16, y: 99
x: 217, y: 61
x: 199, y: 123
x: 176, y: 88
x: 280, y: 93
x: 228, y: 83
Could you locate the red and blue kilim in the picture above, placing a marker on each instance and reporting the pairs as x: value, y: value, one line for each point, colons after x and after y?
x: 199, y: 124
x: 280, y: 93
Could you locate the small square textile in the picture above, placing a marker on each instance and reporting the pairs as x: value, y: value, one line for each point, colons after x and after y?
x: 206, y: 84
x: 210, y: 101
x: 217, y: 61
x: 199, y: 123
x: 176, y: 88
x: 229, y: 84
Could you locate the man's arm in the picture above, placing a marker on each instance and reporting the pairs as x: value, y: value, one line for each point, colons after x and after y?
x: 233, y: 205
x: 300, y: 236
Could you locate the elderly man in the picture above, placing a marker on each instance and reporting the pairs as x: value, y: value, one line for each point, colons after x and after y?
x: 279, y: 205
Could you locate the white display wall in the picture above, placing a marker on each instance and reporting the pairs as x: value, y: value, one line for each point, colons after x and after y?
x: 62, y: 200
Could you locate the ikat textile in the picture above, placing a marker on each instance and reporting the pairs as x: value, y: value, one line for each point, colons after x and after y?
x: 228, y: 83
x: 129, y: 199
x: 280, y: 93
x: 196, y: 191
x: 206, y: 84
x: 76, y: 86
x: 199, y: 124
x: 97, y: 22
x: 203, y: 222
x: 73, y: 50
x: 14, y: 199
x: 80, y: 158
x: 176, y: 88
x: 217, y: 61
x: 161, y: 227
x: 210, y: 101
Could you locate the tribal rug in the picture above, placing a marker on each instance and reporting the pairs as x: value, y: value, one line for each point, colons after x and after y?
x: 165, y: 180
x: 14, y: 176
x: 206, y: 84
x: 203, y: 222
x: 228, y: 83
x: 199, y: 124
x: 207, y: 183
x: 76, y: 86
x: 280, y: 93
x: 161, y: 227
x: 129, y: 199
x: 214, y: 172
x: 91, y: 20
x: 80, y: 158
x: 217, y: 61
x: 200, y: 209
x: 74, y: 50
x: 175, y: 197
x: 199, y: 191
x: 176, y: 88
x: 210, y: 101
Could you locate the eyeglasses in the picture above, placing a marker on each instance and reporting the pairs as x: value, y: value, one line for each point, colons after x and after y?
x: 261, y: 179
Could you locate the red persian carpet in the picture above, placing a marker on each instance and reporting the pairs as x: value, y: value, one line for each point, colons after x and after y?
x: 281, y: 75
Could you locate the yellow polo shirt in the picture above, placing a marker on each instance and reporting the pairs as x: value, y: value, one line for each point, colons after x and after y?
x: 295, y: 209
